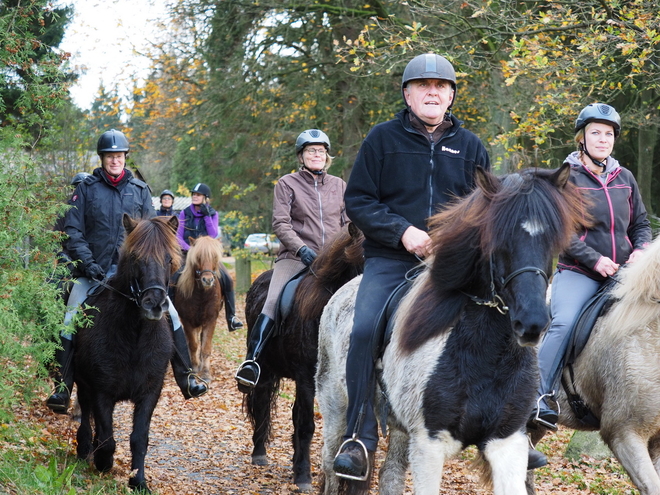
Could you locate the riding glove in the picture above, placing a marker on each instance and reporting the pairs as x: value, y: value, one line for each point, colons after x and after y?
x: 307, y: 255
x: 95, y: 272
x: 206, y: 210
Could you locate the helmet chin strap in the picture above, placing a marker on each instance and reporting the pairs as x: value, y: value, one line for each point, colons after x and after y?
x: 598, y: 163
x: 426, y: 124
x: 315, y: 172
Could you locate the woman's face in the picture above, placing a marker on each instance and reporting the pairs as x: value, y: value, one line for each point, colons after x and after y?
x: 197, y: 199
x: 599, y: 140
x: 113, y: 163
x: 314, y: 156
x: 166, y: 201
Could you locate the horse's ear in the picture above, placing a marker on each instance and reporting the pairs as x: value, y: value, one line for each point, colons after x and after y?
x: 487, y: 182
x: 192, y: 241
x: 173, y: 222
x: 129, y: 223
x: 353, y: 231
x: 560, y: 177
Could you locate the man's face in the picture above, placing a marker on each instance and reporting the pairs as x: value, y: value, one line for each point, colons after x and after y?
x: 113, y: 163
x: 429, y: 99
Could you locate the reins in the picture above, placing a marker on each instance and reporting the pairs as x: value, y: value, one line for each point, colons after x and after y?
x: 136, y: 291
x: 496, y: 300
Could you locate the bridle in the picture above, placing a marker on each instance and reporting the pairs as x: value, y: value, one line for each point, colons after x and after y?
x: 496, y: 300
x: 199, y: 273
x: 137, y: 293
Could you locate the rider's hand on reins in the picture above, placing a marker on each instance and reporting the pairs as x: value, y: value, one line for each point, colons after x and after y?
x: 416, y: 242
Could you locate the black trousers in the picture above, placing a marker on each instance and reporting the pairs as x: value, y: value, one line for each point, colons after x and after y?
x: 381, y: 276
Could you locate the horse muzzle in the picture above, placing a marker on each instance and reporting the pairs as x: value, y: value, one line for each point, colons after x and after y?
x: 154, y: 304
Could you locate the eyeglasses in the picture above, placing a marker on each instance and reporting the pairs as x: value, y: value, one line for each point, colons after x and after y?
x: 315, y: 151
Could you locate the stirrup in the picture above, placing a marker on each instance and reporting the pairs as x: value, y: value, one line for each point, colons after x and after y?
x: 356, y: 440
x: 191, y: 374
x: 244, y: 381
x: 538, y: 419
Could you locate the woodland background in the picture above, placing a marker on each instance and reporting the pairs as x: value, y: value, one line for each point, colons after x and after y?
x: 233, y: 82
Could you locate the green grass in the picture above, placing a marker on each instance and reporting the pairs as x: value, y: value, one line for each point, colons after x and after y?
x: 33, y: 463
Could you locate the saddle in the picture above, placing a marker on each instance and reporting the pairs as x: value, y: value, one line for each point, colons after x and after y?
x: 593, y: 309
x: 286, y: 299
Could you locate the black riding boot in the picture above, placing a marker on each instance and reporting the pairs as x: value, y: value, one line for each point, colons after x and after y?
x: 248, y: 373
x: 58, y: 402
x: 227, y: 285
x: 190, y: 384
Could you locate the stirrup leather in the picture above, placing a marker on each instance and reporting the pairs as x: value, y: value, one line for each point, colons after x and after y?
x: 541, y: 421
x: 364, y: 476
x: 244, y: 381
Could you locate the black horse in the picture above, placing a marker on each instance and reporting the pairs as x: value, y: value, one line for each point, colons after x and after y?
x: 291, y: 353
x: 125, y: 352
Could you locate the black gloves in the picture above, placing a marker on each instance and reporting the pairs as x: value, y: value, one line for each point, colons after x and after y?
x: 206, y: 210
x: 307, y: 255
x: 95, y: 272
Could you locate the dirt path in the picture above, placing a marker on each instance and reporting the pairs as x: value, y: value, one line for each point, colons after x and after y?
x: 202, y: 446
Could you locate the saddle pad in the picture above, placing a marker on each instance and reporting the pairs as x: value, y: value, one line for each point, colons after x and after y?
x: 285, y: 301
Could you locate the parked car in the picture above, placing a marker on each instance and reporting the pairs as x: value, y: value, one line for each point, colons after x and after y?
x: 262, y: 243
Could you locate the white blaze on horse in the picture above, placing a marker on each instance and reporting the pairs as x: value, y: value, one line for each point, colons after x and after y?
x: 460, y: 368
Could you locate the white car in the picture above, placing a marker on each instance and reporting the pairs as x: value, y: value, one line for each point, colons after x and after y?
x: 262, y: 243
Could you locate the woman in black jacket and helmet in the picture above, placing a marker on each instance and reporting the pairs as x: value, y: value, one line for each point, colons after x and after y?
x: 96, y: 232
x: 619, y: 232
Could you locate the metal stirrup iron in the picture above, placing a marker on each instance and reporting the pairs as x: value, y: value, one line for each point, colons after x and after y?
x: 365, y: 475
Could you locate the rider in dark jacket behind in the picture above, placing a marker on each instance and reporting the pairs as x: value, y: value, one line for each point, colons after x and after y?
x: 95, y: 229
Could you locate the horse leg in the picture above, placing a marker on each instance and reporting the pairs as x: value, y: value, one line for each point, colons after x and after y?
x: 84, y: 433
x: 508, y: 464
x: 427, y: 459
x: 140, y: 440
x: 632, y: 451
x: 104, y: 442
x: 260, y: 400
x: 535, y: 436
x: 303, y: 431
x: 392, y: 476
x: 193, y: 337
x: 205, y: 351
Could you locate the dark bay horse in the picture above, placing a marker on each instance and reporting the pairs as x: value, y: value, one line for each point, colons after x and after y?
x: 124, y: 354
x: 198, y: 300
x: 291, y: 353
x: 460, y: 368
x: 617, y: 375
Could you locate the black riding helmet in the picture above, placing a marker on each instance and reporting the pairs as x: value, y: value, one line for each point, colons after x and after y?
x: 429, y: 66
x: 166, y: 192
x: 201, y: 188
x: 79, y: 177
x: 111, y: 141
x: 599, y: 112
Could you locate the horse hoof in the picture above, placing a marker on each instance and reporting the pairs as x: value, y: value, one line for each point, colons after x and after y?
x: 138, y: 486
x: 304, y: 488
x: 260, y: 460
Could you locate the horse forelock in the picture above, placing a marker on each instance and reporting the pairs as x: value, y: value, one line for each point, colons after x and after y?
x: 155, y: 240
x: 205, y: 253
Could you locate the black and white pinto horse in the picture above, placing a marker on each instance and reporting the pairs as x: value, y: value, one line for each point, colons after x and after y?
x: 460, y: 368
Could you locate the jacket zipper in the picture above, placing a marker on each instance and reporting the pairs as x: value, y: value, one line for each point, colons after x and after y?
x: 316, y: 181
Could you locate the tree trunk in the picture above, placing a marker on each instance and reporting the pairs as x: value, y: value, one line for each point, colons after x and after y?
x: 646, y: 139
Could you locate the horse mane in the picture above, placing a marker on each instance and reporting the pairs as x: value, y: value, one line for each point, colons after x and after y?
x: 638, y: 293
x: 468, y: 230
x: 203, y: 251
x: 153, y: 239
x: 339, y: 261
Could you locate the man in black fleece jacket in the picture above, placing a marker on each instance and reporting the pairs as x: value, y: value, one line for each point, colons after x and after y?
x: 406, y: 170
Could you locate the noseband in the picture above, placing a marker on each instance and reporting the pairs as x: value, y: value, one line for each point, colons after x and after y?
x: 496, y: 300
x: 136, y: 291
x: 199, y: 273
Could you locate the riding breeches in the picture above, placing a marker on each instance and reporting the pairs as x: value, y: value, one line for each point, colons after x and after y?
x: 284, y: 270
x: 381, y: 276
x: 570, y: 291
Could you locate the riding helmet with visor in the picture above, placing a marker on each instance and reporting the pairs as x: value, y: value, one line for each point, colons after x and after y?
x: 429, y: 66
x: 201, y: 188
x: 167, y: 192
x: 599, y: 112
x: 111, y: 141
x: 79, y: 177
x: 312, y: 136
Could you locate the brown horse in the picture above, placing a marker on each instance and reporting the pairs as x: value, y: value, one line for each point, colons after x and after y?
x: 291, y: 353
x: 198, y: 299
